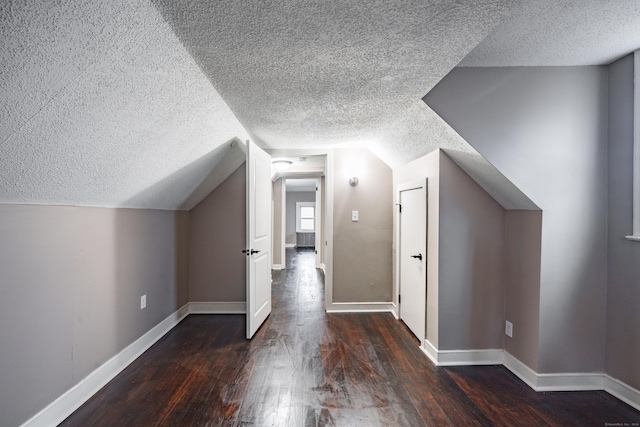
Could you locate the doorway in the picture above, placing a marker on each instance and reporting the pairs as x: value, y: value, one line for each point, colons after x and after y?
x: 412, y: 256
x: 300, y: 213
x: 306, y: 164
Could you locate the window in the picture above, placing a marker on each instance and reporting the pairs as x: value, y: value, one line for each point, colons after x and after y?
x: 305, y: 217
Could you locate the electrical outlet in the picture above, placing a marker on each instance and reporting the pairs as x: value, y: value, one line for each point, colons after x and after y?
x: 508, y: 329
x: 143, y: 301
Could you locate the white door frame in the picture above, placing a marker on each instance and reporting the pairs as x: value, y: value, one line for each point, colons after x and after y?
x: 327, y: 210
x: 319, y: 216
x: 421, y: 183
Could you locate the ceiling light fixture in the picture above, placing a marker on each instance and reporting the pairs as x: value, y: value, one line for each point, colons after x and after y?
x: 281, y: 164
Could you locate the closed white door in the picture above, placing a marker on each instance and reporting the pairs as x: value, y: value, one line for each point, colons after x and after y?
x: 258, y: 237
x: 413, y: 256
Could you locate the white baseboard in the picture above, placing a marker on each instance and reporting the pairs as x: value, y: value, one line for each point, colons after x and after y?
x: 572, y: 381
x: 622, y: 391
x: 277, y: 267
x: 72, y: 399
x: 462, y: 357
x: 539, y: 382
x: 239, y: 307
x: 289, y: 245
x: 359, y: 307
x: 520, y: 370
x: 431, y: 351
x: 394, y: 310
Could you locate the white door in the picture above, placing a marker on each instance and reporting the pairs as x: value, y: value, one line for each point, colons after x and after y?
x: 413, y: 256
x: 258, y: 237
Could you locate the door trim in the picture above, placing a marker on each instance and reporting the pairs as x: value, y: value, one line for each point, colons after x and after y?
x: 412, y: 185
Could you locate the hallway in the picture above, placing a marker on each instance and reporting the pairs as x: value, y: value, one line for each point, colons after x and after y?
x: 308, y: 368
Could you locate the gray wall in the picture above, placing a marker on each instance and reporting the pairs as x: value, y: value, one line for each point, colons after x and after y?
x: 70, y: 293
x: 291, y: 198
x: 465, y: 256
x: 217, y: 266
x: 362, y: 250
x: 523, y: 233
x: 545, y: 129
x: 623, y: 316
x: 472, y: 264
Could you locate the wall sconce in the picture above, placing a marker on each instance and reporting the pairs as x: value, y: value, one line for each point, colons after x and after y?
x: 353, y: 181
x: 281, y: 164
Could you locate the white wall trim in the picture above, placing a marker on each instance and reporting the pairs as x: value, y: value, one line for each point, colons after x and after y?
x: 277, y: 267
x: 359, y: 307
x: 236, y: 307
x: 463, y: 357
x: 289, y: 245
x: 539, y: 382
x: 394, y: 310
x: 520, y: 370
x: 431, y: 351
x: 572, y: 381
x: 622, y: 391
x: 470, y: 357
x: 72, y: 399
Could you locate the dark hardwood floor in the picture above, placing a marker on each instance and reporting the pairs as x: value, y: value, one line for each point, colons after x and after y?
x: 308, y: 368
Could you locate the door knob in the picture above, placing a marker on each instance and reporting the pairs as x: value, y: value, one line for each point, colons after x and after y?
x: 253, y: 251
x: 419, y: 256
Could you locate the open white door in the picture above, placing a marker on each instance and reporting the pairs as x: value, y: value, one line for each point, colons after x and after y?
x: 413, y: 256
x: 258, y: 237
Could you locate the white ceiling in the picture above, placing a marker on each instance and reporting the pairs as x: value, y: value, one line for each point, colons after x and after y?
x: 561, y: 32
x: 132, y: 104
x: 333, y: 73
x: 101, y: 105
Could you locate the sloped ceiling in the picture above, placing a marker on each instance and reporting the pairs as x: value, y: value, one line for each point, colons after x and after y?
x: 133, y: 104
x: 101, y: 105
x: 561, y: 33
x: 324, y: 73
x: 116, y: 104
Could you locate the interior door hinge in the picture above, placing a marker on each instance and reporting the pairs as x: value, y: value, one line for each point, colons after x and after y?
x: 399, y: 298
x: 399, y: 207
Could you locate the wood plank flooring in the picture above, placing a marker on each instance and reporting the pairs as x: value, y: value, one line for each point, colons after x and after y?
x: 308, y: 368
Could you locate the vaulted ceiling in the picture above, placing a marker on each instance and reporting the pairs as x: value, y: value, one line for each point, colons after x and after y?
x: 133, y: 104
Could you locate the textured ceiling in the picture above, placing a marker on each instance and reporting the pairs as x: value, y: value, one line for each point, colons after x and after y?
x: 133, y: 104
x: 561, y: 32
x: 101, y: 105
x: 333, y: 73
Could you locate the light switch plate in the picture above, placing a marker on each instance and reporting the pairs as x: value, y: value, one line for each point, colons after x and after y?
x: 508, y: 329
x: 354, y: 216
